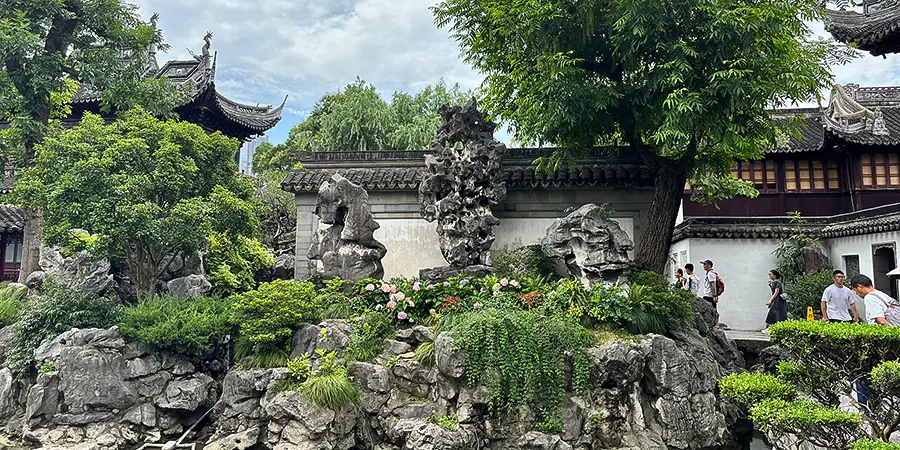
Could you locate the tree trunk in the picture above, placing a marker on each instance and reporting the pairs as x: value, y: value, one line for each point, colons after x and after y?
x: 33, y: 236
x: 653, y: 250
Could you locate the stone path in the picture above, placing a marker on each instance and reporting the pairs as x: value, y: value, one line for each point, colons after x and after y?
x: 749, y: 340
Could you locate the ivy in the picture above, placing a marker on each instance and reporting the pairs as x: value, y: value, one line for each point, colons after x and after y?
x: 520, y: 356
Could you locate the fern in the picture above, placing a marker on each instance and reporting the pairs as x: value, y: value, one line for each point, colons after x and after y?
x: 11, y: 301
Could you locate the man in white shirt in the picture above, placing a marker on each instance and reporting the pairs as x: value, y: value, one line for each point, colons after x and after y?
x: 708, y: 284
x: 878, y: 303
x: 838, y: 300
x: 691, y: 280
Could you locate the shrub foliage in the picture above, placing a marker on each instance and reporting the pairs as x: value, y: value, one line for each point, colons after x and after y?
x: 190, y: 327
x: 748, y: 389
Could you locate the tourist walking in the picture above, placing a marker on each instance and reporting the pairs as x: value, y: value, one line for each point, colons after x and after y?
x: 709, y: 289
x: 881, y: 309
x: 679, y: 279
x: 777, y: 304
x: 691, y: 280
x: 838, y: 301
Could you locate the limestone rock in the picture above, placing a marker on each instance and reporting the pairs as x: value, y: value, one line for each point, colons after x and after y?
x: 284, y: 267
x: 347, y: 248
x: 396, y: 347
x: 426, y: 436
x: 814, y: 259
x: 35, y: 280
x: 449, y: 362
x: 191, y: 286
x: 535, y: 440
x: 238, y: 441
x: 591, y: 246
x: 309, y: 338
x: 82, y: 272
x: 462, y: 180
x: 186, y: 394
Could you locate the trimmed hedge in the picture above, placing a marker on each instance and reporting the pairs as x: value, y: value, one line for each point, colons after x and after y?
x: 874, y: 445
x: 190, y: 327
x: 824, y: 426
x: 750, y: 388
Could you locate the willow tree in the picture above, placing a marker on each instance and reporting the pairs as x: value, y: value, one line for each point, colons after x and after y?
x: 685, y: 84
x: 47, y: 49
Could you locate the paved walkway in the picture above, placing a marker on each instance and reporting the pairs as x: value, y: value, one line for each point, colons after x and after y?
x: 749, y: 340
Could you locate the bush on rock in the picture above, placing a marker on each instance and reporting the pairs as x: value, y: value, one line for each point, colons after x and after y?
x: 189, y: 327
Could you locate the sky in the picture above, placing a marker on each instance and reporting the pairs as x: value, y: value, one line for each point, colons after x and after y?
x: 305, y: 48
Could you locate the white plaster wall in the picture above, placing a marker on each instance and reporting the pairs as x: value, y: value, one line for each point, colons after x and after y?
x: 413, y: 244
x: 744, y: 265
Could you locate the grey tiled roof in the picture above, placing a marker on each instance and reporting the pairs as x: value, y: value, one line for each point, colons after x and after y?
x: 812, y: 133
x: 874, y: 220
x: 12, y: 219
x: 877, y: 32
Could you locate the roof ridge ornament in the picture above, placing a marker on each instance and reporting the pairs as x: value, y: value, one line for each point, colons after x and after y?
x: 845, y: 114
x: 879, y: 128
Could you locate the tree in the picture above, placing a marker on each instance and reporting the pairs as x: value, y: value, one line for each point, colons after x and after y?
x: 686, y: 84
x: 142, y: 188
x: 46, y: 50
x: 358, y: 119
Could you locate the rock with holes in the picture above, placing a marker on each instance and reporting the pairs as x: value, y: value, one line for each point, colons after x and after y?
x: 591, y: 246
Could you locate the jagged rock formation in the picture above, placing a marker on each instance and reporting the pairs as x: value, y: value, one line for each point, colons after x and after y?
x: 94, y: 389
x: 461, y: 182
x: 82, y: 272
x: 348, y: 248
x: 589, y: 245
x: 99, y: 392
x: 284, y: 267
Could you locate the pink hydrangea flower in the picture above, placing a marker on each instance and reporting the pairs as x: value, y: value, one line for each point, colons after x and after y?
x: 402, y: 315
x: 463, y: 282
x: 431, y: 286
x: 385, y: 288
x: 370, y: 287
x: 417, y: 287
x: 504, y: 282
x: 446, y: 284
x: 392, y: 304
x: 410, y: 303
x: 393, y: 288
x: 400, y: 296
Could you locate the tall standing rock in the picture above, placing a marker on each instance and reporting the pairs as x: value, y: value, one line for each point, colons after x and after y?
x: 461, y: 182
x: 347, y: 248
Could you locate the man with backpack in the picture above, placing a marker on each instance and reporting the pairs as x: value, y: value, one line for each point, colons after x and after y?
x: 691, y: 280
x: 712, y: 286
x: 881, y: 309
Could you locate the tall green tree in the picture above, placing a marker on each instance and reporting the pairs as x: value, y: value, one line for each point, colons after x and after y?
x: 686, y: 84
x: 357, y: 118
x: 144, y: 189
x: 47, y: 48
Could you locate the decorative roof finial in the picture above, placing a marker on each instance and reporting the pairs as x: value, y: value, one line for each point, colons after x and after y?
x: 154, y: 19
x: 204, y: 55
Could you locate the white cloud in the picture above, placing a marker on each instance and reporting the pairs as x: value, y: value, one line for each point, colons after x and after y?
x: 304, y: 48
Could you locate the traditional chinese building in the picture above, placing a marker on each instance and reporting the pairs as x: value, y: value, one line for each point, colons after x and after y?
x: 207, y: 108
x: 842, y: 175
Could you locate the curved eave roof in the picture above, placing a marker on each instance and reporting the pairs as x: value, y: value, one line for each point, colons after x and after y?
x: 877, y: 32
x: 12, y: 219
x: 255, y: 118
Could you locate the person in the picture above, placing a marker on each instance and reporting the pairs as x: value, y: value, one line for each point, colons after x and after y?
x: 881, y: 309
x: 691, y: 280
x: 777, y: 304
x: 838, y: 300
x: 679, y: 279
x: 708, y: 288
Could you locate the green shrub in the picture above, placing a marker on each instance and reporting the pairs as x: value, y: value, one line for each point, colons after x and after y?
x: 369, y: 335
x: 520, y: 357
x: 58, y: 310
x: 874, y: 445
x: 813, y: 380
x: 527, y: 261
x: 886, y: 378
x: 267, y: 318
x: 651, y: 306
x: 447, y: 422
x: 11, y: 300
x: 849, y: 350
x: 329, y: 386
x: 190, y: 327
x: 824, y: 426
x: 748, y: 388
x: 806, y: 291
x: 236, y: 264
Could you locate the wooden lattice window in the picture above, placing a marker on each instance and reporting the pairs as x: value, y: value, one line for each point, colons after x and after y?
x: 760, y: 173
x: 880, y: 170
x: 811, y: 175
